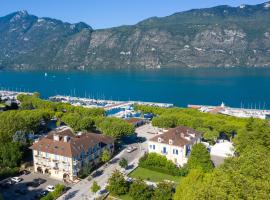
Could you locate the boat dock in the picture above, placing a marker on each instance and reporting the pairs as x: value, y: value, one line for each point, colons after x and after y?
x: 106, y: 104
x: 7, y: 95
x: 236, y: 112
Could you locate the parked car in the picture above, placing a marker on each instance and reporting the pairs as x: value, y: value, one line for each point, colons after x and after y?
x: 24, y: 172
x: 5, y: 185
x: 50, y: 188
x: 41, y: 194
x: 16, y: 179
x: 131, y: 149
x: 36, y: 182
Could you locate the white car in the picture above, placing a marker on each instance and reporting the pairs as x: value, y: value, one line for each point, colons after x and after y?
x: 131, y: 149
x: 50, y: 188
x: 16, y: 179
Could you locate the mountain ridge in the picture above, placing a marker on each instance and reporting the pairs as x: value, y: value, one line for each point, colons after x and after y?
x: 220, y: 36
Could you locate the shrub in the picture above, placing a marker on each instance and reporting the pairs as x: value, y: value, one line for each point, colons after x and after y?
x: 159, y: 163
x: 139, y: 190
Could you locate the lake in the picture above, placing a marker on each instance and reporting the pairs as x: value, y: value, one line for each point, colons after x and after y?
x: 211, y: 86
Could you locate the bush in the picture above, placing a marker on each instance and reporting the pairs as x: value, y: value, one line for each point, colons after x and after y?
x: 139, y: 190
x: 159, y: 163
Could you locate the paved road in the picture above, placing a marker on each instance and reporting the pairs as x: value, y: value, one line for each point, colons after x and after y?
x: 81, y: 191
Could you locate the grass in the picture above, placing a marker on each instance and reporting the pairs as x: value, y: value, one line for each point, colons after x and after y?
x: 122, y: 197
x: 153, y: 176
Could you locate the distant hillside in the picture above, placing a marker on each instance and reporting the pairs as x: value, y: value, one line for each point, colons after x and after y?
x: 219, y: 36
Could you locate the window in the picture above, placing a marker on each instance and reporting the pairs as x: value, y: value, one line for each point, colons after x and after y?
x: 164, y: 150
x: 150, y: 146
x: 176, y: 151
x: 154, y: 147
x: 47, y: 155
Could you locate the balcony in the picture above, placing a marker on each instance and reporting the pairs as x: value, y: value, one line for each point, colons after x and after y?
x: 55, y: 160
x: 55, y: 168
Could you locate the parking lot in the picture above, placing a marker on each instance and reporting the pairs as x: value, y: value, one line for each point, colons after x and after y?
x: 22, y: 190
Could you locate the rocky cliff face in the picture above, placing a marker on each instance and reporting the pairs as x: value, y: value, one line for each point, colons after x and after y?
x: 219, y: 36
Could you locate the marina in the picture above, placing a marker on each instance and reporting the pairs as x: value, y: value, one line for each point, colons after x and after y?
x: 235, y: 112
x: 122, y: 109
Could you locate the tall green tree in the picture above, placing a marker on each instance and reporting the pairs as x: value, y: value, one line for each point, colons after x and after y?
x: 117, y: 184
x: 200, y: 158
x: 95, y: 187
x: 123, y: 163
x: 105, y: 157
x: 116, y: 127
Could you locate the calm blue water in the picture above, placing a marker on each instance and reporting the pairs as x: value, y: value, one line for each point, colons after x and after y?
x: 177, y: 86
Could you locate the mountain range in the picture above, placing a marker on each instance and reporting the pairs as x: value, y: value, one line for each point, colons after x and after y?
x: 221, y: 36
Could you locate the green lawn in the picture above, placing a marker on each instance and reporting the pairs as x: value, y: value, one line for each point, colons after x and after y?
x: 150, y: 175
x: 122, y: 197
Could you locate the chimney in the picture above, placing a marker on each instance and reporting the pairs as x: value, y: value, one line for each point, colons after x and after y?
x: 66, y: 138
x: 56, y: 137
x: 182, y: 135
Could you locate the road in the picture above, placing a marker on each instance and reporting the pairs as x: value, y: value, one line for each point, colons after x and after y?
x: 82, y: 191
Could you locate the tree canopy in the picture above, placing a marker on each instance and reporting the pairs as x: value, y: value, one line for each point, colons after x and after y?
x: 200, y: 158
x: 116, y: 127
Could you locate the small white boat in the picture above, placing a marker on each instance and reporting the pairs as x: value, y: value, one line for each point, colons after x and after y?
x: 45, y: 74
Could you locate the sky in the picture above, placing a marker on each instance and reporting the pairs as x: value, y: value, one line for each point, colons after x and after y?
x: 110, y: 13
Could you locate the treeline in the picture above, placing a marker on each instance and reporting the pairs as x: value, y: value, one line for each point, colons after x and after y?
x: 79, y: 118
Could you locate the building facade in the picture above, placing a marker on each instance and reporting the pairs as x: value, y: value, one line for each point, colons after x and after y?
x: 62, y: 154
x: 175, y: 144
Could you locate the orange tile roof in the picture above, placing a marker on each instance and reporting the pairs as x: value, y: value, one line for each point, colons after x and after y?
x: 75, y: 145
x: 177, y: 135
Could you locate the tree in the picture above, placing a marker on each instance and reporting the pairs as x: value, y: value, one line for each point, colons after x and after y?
x: 139, y: 190
x: 200, y: 158
x: 164, y: 191
x: 117, y: 184
x: 10, y: 154
x: 211, y: 136
x: 85, y: 170
x: 95, y: 187
x: 105, y: 157
x: 116, y: 127
x: 123, y: 163
x: 190, y: 185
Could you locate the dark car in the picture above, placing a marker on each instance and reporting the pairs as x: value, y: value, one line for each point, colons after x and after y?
x: 24, y: 172
x: 41, y: 194
x: 36, y: 182
x: 4, y: 185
